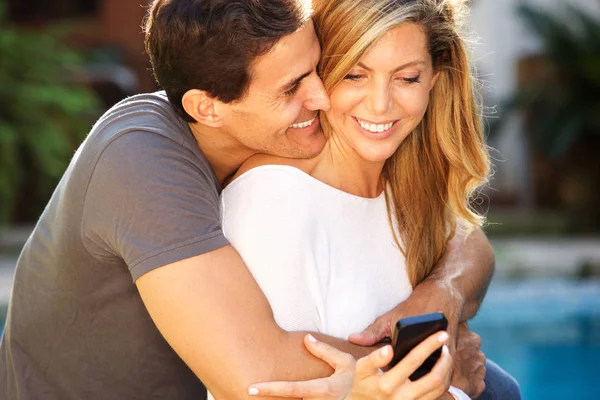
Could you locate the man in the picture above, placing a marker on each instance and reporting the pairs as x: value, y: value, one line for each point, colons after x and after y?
x: 128, y: 262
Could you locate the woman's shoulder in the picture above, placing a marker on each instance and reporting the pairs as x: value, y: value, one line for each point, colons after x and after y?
x: 269, y: 189
x: 266, y: 176
x: 260, y: 160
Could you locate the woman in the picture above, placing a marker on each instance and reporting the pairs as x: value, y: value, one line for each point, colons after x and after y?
x: 337, y: 240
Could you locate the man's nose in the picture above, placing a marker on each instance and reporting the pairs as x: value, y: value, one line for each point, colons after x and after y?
x: 317, y: 98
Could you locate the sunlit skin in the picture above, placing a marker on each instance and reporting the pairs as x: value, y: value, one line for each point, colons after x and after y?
x: 285, y: 89
x: 390, y: 84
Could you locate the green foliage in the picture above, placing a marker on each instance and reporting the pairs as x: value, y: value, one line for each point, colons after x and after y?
x: 563, y: 109
x: 43, y: 116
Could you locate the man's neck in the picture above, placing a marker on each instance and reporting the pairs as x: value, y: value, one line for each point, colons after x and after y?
x: 341, y: 167
x: 223, y: 152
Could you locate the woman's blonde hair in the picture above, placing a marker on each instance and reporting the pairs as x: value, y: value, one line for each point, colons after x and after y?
x: 437, y: 169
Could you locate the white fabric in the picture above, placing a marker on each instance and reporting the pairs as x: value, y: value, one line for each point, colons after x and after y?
x: 325, y: 259
x: 458, y: 394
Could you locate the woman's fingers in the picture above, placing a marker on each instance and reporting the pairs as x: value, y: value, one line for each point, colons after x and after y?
x: 332, y: 356
x: 372, y: 364
x: 333, y: 386
x: 303, y: 389
x: 413, y: 360
x: 437, y: 381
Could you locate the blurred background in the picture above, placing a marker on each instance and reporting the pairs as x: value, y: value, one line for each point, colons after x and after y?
x: 63, y: 62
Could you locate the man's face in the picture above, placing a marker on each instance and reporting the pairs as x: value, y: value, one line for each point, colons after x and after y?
x: 279, y: 115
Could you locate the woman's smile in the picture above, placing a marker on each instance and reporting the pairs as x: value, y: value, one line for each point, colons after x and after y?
x: 376, y: 130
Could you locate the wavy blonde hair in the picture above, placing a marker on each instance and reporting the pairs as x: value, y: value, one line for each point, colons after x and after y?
x: 436, y: 171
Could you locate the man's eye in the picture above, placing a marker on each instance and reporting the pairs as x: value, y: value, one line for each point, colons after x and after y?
x: 291, y: 91
x: 353, y: 77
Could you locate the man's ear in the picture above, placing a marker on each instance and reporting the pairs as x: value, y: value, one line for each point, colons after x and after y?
x: 203, y: 108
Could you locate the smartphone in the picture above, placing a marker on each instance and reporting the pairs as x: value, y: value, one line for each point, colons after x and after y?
x: 411, y: 331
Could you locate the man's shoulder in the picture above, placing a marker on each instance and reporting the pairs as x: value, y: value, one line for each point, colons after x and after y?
x: 157, y: 100
x: 149, y: 112
x: 140, y: 140
x: 144, y: 128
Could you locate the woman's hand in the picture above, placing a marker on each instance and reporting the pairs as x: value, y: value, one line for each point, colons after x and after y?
x: 363, y: 380
x: 370, y: 383
x: 335, y: 387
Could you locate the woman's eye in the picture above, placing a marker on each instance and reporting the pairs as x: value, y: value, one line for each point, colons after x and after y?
x: 353, y: 77
x: 415, y: 79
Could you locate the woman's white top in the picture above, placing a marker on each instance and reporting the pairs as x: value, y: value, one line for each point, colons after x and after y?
x: 325, y: 259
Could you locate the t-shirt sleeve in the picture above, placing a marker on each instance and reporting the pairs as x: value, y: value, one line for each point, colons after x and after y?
x: 151, y: 202
x: 269, y: 220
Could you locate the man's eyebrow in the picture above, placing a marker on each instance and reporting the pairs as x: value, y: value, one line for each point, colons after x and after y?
x: 401, y: 67
x: 294, y: 82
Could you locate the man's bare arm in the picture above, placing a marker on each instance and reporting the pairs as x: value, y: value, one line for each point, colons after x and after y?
x: 214, y: 315
x: 463, y: 274
x: 456, y: 287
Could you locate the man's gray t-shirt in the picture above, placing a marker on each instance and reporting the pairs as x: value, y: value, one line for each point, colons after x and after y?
x: 138, y: 194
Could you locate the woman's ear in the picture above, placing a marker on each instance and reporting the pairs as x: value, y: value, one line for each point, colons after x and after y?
x: 203, y: 108
x: 434, y: 79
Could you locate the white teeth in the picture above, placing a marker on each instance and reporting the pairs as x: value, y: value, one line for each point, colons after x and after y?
x: 303, y: 124
x: 375, y: 128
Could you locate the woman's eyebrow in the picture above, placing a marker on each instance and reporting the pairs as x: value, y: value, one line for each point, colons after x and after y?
x: 401, y: 67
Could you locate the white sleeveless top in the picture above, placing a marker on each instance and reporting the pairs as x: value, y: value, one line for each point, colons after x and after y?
x: 325, y: 259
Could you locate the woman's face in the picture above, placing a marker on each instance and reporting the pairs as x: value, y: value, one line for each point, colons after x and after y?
x: 384, y: 97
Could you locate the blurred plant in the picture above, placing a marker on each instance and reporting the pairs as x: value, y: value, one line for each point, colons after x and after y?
x: 564, y: 104
x: 43, y: 117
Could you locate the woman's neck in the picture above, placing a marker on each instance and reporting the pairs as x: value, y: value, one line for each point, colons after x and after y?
x: 340, y: 166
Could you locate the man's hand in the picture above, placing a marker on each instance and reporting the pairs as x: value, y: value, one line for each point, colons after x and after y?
x: 469, y: 363
x: 423, y: 300
x: 334, y: 387
x: 456, y: 286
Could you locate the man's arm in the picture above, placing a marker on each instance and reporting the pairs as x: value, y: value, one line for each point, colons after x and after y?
x: 214, y: 315
x: 464, y: 273
x: 456, y: 287
x: 458, y: 283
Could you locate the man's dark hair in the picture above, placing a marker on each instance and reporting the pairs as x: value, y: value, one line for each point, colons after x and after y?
x: 211, y: 44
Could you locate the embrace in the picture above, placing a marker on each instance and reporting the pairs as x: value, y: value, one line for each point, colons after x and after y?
x: 257, y: 228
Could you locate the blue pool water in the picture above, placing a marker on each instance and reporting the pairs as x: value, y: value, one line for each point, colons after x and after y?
x: 546, y: 333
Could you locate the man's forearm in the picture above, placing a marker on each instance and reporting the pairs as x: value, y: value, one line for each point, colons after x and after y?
x: 461, y: 278
x: 229, y: 344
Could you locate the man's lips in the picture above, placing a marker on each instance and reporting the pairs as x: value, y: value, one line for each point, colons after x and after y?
x: 304, y: 124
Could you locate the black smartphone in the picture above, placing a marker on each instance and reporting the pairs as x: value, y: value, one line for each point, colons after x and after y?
x: 411, y: 331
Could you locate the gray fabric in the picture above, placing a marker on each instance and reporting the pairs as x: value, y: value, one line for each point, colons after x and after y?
x: 137, y: 195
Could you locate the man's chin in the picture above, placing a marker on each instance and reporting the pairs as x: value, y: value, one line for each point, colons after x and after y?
x: 306, y: 146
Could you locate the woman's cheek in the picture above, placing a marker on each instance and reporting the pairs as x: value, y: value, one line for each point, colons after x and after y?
x: 418, y: 102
